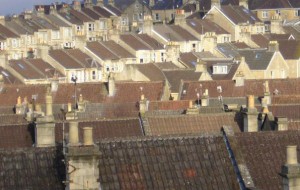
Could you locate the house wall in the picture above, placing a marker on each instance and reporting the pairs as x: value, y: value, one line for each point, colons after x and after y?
x: 294, y: 66
x: 288, y: 14
x: 278, y: 68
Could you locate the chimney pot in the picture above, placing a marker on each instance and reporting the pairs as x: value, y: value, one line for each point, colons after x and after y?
x: 190, y: 104
x: 69, y: 107
x: 73, y: 133
x: 251, y: 104
x: 49, y: 105
x: 19, y: 100
x: 291, y: 151
x: 88, y: 136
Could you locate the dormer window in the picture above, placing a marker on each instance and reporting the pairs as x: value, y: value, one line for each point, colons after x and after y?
x: 265, y: 14
x: 220, y: 69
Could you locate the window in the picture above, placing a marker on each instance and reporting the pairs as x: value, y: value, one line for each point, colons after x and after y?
x: 91, y: 27
x: 226, y: 39
x: 272, y: 74
x: 141, y: 60
x: 278, y: 12
x: 193, y: 47
x: 219, y: 69
x: 94, y: 75
x: 102, y: 25
x: 140, y: 16
x: 297, y: 12
x: 1, y: 45
x: 55, y: 35
x: 162, y: 57
x: 267, y: 27
x: 14, y: 43
x: 265, y: 14
x: 124, y: 21
x: 157, y: 17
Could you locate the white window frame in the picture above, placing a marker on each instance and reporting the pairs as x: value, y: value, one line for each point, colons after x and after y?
x: 265, y: 14
x: 91, y: 27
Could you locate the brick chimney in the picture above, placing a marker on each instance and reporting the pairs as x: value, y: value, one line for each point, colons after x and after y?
x: 45, y: 126
x: 180, y: 17
x: 77, y: 5
x: 250, y: 116
x: 215, y: 3
x: 83, y: 164
x: 148, y: 25
x: 291, y: 170
x: 100, y: 3
x: 87, y: 3
x: 273, y: 46
x: 243, y: 3
x: 111, y: 2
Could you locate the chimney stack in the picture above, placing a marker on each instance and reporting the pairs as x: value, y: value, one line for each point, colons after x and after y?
x: 192, y: 109
x: 143, y: 105
x: 273, y: 46
x: 281, y: 123
x: 100, y: 3
x: 291, y: 170
x: 88, y: 136
x: 251, y: 116
x: 148, y: 24
x: 20, y: 109
x: 244, y: 3
x: 83, y: 161
x: 180, y: 17
x: 45, y: 126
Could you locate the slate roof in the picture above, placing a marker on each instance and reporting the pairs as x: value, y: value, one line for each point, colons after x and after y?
x: 174, y: 33
x: 257, y: 59
x: 273, y: 4
x: 25, y: 69
x: 134, y: 42
x: 71, y: 18
x: 289, y: 111
x: 103, y: 12
x: 45, y: 68
x: 228, y: 50
x: 8, y: 77
x: 108, y: 50
x: 64, y: 59
x: 152, y: 72
x: 7, y: 33
x: 164, y: 5
x: 17, y: 28
x: 56, y: 21
x: 175, y: 77
x: 239, y: 14
x: 91, y: 13
x: 81, y: 16
x: 31, y: 168
x: 201, y: 26
x: 264, y: 153
x: 114, y: 10
x: 166, y: 163
x: 153, y: 43
x: 190, y: 124
x: 43, y: 23
x: 263, y: 40
x: 290, y: 49
x: 231, y: 69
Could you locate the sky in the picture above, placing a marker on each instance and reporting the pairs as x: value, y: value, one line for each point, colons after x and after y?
x: 18, y: 6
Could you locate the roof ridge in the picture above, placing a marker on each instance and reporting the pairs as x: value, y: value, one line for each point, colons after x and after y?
x: 142, y: 41
x: 66, y: 52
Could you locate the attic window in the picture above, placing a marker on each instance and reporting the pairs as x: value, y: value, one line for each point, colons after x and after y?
x: 297, y: 12
x: 278, y: 12
x: 220, y: 69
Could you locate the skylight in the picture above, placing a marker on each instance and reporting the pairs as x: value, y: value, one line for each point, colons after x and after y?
x: 21, y: 66
x: 5, y: 73
x: 193, y: 24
